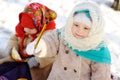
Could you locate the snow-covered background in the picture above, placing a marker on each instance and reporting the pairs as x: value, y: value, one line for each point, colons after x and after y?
x: 9, y: 10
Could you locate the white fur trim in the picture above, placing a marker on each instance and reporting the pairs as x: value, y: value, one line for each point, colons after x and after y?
x: 96, y: 34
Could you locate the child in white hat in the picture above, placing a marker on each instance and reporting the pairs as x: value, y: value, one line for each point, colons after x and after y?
x: 79, y: 47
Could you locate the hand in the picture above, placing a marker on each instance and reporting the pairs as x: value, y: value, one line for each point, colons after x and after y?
x: 30, y: 48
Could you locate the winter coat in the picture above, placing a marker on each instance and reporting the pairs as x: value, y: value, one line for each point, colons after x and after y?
x: 68, y: 65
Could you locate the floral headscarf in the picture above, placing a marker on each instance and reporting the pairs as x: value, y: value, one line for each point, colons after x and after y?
x: 35, y: 15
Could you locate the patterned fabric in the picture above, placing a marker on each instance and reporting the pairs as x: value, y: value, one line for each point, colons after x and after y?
x: 35, y: 15
x: 14, y: 71
x: 39, y: 13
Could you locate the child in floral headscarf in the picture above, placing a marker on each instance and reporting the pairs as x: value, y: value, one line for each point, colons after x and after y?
x: 79, y: 47
x: 34, y: 16
x: 31, y: 22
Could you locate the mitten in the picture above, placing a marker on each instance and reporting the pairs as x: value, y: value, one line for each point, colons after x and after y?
x: 33, y: 62
x: 30, y: 49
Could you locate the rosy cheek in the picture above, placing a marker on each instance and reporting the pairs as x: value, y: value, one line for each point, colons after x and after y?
x: 35, y: 31
x: 26, y: 31
x: 87, y: 34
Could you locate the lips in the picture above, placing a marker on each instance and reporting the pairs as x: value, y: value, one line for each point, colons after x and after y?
x: 78, y: 36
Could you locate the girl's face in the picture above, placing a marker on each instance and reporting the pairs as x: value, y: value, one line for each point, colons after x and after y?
x: 30, y: 31
x: 80, y: 30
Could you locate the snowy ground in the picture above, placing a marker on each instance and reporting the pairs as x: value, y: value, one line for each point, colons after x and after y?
x: 9, y: 10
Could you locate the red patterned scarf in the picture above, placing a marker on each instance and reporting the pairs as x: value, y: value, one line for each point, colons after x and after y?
x: 34, y: 15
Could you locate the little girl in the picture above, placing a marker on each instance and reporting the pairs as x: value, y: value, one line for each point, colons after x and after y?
x: 31, y: 22
x: 79, y: 48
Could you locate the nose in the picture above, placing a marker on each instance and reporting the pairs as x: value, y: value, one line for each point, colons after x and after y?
x: 79, y: 30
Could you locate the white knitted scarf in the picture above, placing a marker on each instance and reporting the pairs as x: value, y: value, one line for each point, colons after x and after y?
x: 96, y: 35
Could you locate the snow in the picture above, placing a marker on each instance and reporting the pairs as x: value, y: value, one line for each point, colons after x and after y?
x: 9, y: 10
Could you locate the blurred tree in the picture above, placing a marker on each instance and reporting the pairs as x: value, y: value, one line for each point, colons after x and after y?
x: 116, y: 5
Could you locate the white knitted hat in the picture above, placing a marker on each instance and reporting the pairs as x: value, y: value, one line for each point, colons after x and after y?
x: 96, y: 34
